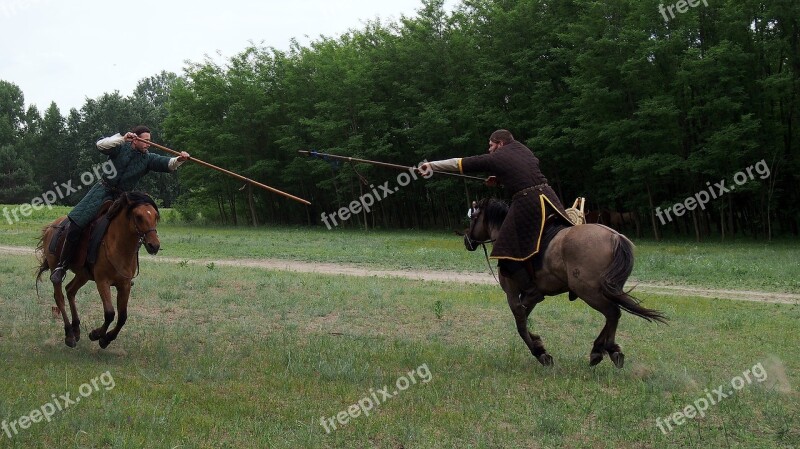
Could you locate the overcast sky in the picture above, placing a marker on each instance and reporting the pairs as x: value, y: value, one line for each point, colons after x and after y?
x: 68, y: 50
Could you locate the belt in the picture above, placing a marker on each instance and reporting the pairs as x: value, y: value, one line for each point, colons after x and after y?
x: 525, y: 191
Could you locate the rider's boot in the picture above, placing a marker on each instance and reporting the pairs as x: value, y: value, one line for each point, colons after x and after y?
x: 70, y: 243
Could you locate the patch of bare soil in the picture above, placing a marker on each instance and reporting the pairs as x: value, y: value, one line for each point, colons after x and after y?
x: 447, y: 276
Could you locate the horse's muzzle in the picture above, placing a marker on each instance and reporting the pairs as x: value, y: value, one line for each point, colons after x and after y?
x: 469, y: 244
x: 152, y: 248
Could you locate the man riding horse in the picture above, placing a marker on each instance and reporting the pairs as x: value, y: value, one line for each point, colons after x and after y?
x: 514, y: 166
x: 132, y: 161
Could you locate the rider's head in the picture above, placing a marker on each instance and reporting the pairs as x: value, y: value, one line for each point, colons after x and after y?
x: 498, y: 139
x: 144, y: 133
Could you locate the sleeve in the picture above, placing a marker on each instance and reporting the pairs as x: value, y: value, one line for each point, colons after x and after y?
x: 111, y: 145
x: 158, y: 163
x: 445, y: 165
x: 174, y: 163
x: 485, y: 163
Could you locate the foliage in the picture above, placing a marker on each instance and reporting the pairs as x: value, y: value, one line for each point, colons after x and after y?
x: 631, y: 110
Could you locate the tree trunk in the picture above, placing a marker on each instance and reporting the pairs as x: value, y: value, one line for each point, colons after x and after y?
x: 653, y: 214
x: 252, y: 205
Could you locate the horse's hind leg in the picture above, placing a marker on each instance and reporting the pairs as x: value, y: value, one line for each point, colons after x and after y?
x: 72, y: 289
x: 69, y: 336
x: 605, y: 341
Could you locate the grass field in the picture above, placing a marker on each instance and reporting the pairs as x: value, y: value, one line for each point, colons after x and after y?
x: 243, y: 358
x: 745, y: 265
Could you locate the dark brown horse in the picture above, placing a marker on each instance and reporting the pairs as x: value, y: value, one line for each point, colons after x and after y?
x: 589, y: 261
x: 133, y: 220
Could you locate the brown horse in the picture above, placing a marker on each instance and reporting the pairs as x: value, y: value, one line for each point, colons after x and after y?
x: 589, y: 261
x: 133, y: 220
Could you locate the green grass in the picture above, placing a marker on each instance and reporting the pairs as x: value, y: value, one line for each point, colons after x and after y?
x: 744, y: 265
x: 219, y: 357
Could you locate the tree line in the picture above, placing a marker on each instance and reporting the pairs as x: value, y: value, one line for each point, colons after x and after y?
x: 634, y: 109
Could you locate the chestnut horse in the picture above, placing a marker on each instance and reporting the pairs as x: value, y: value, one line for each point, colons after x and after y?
x: 590, y: 261
x: 133, y: 218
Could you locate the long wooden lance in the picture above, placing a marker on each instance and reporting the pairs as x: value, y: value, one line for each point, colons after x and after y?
x: 227, y: 172
x: 380, y: 164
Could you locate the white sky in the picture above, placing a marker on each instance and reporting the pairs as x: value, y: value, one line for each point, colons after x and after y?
x: 68, y: 50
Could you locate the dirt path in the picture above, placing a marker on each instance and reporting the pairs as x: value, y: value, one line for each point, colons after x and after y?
x: 443, y: 276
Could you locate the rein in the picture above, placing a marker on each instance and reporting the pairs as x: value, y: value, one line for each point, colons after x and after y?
x: 474, y: 244
x: 486, y: 253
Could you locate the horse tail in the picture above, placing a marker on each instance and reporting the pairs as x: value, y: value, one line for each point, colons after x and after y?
x: 41, y: 250
x: 614, y: 280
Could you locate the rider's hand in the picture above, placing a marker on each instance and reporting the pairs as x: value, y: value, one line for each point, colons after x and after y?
x: 184, y: 156
x: 491, y: 181
x: 130, y: 136
x: 425, y: 169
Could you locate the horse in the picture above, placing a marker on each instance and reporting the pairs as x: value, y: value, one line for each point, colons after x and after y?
x: 133, y: 218
x: 589, y: 261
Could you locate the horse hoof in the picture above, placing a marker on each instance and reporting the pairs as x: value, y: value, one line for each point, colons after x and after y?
x: 545, y: 359
x: 94, y: 335
x: 71, y: 342
x: 104, y: 343
x: 618, y: 358
x: 595, y: 358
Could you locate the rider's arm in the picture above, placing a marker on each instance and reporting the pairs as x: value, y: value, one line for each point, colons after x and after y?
x: 110, y: 145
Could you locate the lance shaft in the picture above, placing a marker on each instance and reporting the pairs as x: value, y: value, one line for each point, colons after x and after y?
x: 227, y: 172
x: 381, y: 164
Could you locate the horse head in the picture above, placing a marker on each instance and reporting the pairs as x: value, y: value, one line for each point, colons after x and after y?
x: 485, y: 222
x: 143, y: 216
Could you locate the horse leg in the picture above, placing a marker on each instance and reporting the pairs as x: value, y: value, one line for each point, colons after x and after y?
x: 605, y: 340
x: 522, y: 308
x: 69, y: 336
x: 123, y: 293
x: 104, y: 288
x: 610, y: 345
x: 75, y: 284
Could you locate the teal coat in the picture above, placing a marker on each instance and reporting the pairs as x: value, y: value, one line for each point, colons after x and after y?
x: 131, y: 165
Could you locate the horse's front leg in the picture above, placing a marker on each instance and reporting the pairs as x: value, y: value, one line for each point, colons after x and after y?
x: 123, y: 293
x: 104, y: 288
x: 522, y: 306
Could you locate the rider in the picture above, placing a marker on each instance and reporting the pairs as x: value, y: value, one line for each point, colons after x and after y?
x: 131, y: 162
x: 514, y: 166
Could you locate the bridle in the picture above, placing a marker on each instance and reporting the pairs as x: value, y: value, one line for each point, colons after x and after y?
x: 482, y: 243
x: 141, y: 234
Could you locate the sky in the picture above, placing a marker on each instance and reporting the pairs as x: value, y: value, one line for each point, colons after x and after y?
x: 69, y: 50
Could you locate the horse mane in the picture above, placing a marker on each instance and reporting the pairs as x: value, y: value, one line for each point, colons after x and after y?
x: 494, y: 210
x: 130, y: 200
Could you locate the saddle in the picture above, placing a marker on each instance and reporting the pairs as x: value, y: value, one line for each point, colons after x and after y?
x: 91, y: 237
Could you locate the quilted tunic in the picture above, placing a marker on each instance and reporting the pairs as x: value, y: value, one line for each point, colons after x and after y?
x: 131, y: 165
x: 516, y: 167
